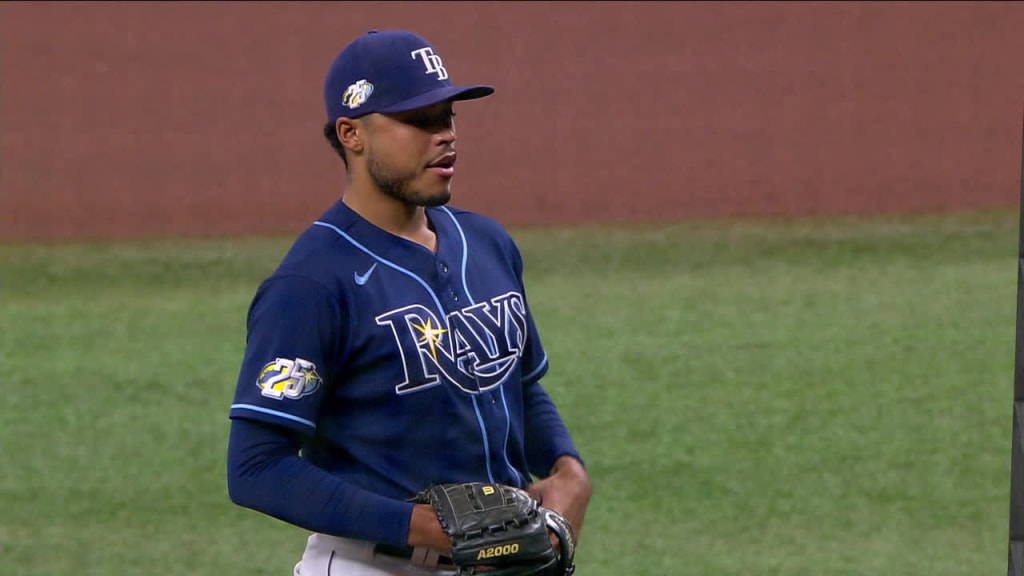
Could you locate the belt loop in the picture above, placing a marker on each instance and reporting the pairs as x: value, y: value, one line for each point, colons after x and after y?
x: 424, y: 557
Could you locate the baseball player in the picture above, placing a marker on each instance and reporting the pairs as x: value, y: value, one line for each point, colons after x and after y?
x: 393, y: 347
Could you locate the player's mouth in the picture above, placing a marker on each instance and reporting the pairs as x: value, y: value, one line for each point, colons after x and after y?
x: 444, y: 165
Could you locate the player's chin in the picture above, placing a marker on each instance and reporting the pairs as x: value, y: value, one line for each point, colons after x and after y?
x: 437, y: 199
x: 436, y: 194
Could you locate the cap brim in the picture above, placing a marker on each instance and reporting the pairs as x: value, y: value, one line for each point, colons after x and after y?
x: 452, y: 93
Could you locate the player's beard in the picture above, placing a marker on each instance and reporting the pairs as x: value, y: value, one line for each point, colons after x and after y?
x: 399, y: 185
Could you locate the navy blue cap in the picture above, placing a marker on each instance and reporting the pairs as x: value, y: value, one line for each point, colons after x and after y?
x: 390, y: 71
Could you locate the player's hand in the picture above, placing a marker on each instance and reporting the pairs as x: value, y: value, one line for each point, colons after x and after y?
x: 425, y: 530
x: 566, y: 491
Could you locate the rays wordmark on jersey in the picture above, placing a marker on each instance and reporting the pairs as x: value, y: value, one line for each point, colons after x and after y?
x: 475, y: 348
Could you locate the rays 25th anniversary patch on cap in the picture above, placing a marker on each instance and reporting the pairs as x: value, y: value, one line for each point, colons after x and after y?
x: 390, y: 71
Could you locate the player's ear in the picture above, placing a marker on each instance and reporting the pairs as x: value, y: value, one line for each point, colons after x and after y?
x: 350, y: 134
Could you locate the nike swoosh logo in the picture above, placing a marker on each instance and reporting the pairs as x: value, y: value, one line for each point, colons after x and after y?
x: 361, y: 279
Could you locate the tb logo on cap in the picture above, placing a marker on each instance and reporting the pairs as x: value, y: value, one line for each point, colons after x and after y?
x: 431, y: 61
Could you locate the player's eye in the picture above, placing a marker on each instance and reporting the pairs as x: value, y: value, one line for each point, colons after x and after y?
x: 432, y: 122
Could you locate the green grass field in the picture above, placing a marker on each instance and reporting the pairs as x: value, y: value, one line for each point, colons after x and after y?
x: 756, y: 398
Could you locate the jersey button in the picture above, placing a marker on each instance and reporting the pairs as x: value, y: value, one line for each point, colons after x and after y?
x: 444, y: 268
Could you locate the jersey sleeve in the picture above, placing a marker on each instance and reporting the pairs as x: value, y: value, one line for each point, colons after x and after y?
x: 265, y: 473
x: 292, y: 338
x: 535, y: 360
x: 547, y: 438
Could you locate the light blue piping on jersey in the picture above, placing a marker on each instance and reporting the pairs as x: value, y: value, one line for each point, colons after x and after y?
x: 274, y: 413
x: 387, y: 263
x: 465, y: 286
x: 543, y: 363
x: 504, y: 404
x: 465, y: 259
x: 440, y: 309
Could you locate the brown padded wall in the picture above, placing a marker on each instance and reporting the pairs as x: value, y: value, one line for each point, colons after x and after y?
x: 158, y: 119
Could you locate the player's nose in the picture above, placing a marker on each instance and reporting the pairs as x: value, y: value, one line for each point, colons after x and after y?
x: 445, y: 135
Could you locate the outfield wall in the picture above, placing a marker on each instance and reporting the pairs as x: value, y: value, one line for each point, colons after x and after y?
x: 162, y: 119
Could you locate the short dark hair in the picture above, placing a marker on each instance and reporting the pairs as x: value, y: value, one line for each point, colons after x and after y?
x: 331, y: 133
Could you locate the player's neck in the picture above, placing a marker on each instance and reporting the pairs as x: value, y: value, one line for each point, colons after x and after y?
x: 395, y: 217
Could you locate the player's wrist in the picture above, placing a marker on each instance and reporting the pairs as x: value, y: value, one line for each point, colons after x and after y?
x: 570, y: 467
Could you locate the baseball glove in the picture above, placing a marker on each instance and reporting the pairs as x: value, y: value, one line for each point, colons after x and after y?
x: 499, y: 530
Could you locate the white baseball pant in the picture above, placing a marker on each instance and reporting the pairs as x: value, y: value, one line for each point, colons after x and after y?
x: 332, y: 556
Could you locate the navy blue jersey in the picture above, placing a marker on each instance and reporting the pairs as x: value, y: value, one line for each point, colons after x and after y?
x: 399, y: 366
